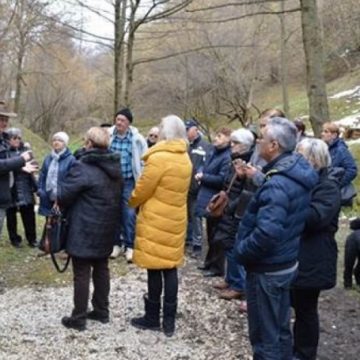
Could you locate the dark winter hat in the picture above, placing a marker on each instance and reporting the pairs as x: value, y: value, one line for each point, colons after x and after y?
x: 190, y: 123
x: 126, y: 112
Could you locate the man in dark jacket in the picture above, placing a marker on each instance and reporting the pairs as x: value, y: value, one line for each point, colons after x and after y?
x: 268, y: 239
x: 198, y: 151
x: 8, y: 165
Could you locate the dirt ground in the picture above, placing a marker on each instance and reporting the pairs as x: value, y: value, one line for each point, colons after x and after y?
x: 339, y: 325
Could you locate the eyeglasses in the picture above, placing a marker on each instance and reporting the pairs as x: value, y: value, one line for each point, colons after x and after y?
x: 153, y: 135
x: 16, y: 138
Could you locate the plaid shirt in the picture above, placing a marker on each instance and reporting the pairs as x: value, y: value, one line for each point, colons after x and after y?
x: 123, y: 146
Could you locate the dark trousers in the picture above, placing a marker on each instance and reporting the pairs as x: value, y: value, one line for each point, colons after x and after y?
x: 101, y: 281
x: 352, y: 257
x: 306, y: 326
x: 155, y: 285
x: 28, y: 219
x: 215, y: 258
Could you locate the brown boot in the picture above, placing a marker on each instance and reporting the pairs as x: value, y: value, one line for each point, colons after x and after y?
x: 230, y: 294
x: 221, y: 285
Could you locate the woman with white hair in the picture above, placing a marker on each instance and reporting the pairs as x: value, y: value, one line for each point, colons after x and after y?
x: 54, y: 168
x: 242, y: 143
x: 318, y: 250
x: 161, y: 196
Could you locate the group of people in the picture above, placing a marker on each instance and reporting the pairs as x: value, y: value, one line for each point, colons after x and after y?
x: 274, y: 243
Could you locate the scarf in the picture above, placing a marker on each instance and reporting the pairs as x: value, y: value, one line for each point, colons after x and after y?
x: 52, y: 175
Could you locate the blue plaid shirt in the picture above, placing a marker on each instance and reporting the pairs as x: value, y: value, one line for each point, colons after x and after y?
x: 123, y: 146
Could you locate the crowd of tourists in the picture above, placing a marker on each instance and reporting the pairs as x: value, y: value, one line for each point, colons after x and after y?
x: 272, y: 244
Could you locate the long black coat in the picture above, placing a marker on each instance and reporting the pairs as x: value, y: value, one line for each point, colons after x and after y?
x: 318, y: 249
x: 7, y: 165
x: 90, y: 193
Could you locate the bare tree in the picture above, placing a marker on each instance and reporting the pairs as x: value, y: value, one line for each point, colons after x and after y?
x: 315, y: 79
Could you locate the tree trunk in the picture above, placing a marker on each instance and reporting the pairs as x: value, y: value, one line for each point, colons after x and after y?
x: 284, y: 64
x: 129, y: 61
x: 315, y: 79
x: 18, y: 81
x: 119, y: 32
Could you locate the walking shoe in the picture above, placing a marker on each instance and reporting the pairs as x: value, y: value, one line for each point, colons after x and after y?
x: 243, y: 307
x: 116, y: 252
x: 129, y: 255
x: 93, y: 315
x: 230, y: 294
x: 221, y: 285
x: 71, y: 323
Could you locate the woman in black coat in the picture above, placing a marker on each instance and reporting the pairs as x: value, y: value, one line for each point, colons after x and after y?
x: 242, y: 144
x: 23, y: 188
x: 317, y: 252
x: 90, y: 194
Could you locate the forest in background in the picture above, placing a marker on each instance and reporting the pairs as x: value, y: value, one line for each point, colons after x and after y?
x: 209, y: 59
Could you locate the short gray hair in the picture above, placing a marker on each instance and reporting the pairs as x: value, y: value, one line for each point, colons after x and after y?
x: 283, y: 131
x: 172, y: 127
x: 315, y: 151
x: 244, y: 137
x: 12, y: 132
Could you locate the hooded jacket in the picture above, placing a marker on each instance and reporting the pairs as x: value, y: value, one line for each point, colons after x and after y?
x: 161, y: 196
x: 90, y: 193
x: 269, y: 234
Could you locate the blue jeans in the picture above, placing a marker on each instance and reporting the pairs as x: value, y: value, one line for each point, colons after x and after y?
x: 268, y: 306
x: 128, y: 217
x: 235, y: 273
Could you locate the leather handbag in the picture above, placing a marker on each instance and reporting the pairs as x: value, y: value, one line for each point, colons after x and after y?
x: 54, y: 237
x: 218, y: 203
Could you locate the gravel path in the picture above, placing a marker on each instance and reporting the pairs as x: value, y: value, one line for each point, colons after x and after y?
x: 207, y: 328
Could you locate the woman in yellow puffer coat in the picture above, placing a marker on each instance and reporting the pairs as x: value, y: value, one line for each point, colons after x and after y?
x: 161, y: 196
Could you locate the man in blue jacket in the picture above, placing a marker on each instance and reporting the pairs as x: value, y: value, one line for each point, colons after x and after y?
x: 268, y: 239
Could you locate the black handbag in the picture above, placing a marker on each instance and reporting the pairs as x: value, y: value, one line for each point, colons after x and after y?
x: 54, y: 237
x: 348, y: 192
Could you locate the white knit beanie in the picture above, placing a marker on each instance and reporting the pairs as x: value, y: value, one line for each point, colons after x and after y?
x: 62, y: 136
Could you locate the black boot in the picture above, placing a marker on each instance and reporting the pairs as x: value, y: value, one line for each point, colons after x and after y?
x: 74, y: 323
x: 169, y: 313
x: 151, y: 319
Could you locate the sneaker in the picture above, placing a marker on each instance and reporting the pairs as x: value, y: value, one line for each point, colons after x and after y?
x: 129, y: 255
x: 116, y: 252
x: 243, y: 307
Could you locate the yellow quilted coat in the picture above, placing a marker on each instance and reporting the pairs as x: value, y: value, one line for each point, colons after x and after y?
x: 161, y: 195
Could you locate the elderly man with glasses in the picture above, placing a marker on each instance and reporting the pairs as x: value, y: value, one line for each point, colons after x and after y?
x: 268, y: 239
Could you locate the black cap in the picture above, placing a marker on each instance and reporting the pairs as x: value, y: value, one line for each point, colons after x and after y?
x: 190, y: 123
x: 126, y: 112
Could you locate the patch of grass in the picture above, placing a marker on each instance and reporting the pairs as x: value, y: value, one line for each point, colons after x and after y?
x: 24, y: 267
